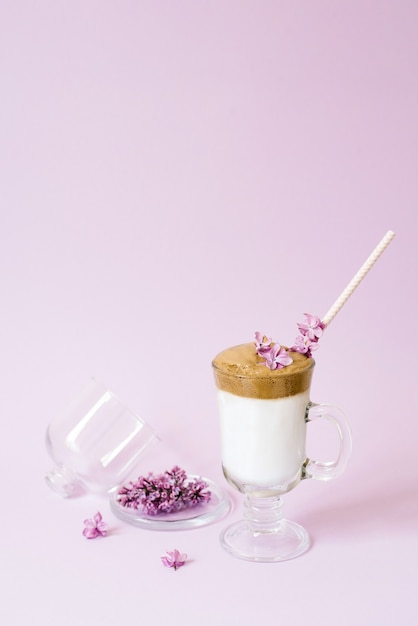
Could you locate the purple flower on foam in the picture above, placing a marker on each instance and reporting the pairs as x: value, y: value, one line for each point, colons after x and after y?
x: 309, y: 333
x: 277, y: 357
x: 95, y: 527
x: 174, y: 559
x: 306, y: 342
x: 313, y: 328
x: 304, y: 345
x: 262, y: 343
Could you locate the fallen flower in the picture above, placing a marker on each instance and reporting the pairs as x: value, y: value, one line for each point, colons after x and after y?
x: 174, y: 559
x: 95, y: 527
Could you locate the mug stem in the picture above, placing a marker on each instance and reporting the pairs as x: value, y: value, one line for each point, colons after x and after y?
x: 263, y: 514
x: 263, y: 535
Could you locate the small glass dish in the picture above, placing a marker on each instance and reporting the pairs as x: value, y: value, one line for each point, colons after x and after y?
x: 192, y: 517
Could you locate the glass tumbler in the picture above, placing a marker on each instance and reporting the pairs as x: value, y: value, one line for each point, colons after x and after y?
x: 95, y: 442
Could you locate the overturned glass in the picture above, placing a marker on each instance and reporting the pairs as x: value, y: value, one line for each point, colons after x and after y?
x: 95, y: 442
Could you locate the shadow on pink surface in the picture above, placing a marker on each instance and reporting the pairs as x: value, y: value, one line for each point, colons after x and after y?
x: 379, y: 514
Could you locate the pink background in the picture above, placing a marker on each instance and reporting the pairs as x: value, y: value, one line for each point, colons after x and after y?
x: 175, y: 175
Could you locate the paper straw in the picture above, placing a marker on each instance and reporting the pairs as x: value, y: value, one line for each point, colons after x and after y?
x: 354, y: 283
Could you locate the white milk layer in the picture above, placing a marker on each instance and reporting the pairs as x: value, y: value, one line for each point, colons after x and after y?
x: 263, y: 441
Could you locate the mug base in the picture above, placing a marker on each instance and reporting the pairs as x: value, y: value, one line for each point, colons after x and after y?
x: 287, y: 541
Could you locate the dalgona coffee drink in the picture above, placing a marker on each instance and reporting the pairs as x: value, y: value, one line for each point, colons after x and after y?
x: 262, y: 412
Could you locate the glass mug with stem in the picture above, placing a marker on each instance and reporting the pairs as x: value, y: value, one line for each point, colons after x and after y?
x: 263, y: 418
x: 95, y: 442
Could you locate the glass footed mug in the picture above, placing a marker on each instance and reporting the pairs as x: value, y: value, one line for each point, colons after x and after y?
x: 95, y: 442
x: 263, y: 418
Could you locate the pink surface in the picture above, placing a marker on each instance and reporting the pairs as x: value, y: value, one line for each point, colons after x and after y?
x: 173, y: 177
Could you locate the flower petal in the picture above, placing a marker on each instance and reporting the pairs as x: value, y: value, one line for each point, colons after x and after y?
x: 90, y: 533
x: 97, y: 518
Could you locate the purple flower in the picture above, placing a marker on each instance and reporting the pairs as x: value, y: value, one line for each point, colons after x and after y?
x: 277, y: 357
x: 169, y: 492
x: 174, y: 559
x: 95, y: 527
x: 262, y: 343
x: 304, y: 345
x: 313, y: 328
x: 309, y: 333
x: 306, y: 342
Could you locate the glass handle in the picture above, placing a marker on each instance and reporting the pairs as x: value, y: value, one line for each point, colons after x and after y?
x: 327, y: 470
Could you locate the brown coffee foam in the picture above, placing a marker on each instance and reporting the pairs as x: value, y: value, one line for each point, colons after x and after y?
x: 242, y: 372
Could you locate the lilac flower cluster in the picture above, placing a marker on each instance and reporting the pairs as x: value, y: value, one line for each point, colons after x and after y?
x: 276, y: 357
x: 164, y: 493
x: 309, y: 334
